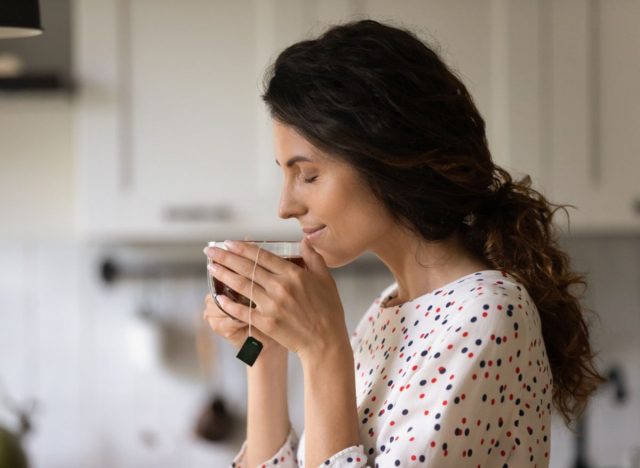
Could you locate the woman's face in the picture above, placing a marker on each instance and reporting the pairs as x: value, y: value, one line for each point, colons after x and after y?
x: 327, y: 195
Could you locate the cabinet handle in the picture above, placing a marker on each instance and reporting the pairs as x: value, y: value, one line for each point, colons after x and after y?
x: 198, y: 213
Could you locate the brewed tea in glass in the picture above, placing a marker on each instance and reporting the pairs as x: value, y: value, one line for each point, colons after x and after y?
x: 289, y: 250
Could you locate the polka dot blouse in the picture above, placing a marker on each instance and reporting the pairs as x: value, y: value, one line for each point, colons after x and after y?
x: 458, y: 377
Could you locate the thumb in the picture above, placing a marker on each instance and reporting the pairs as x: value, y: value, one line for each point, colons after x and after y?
x: 314, y: 261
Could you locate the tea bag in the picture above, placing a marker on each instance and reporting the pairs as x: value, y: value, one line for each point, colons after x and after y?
x: 251, y: 347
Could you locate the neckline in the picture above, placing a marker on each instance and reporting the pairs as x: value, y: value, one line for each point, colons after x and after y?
x: 393, y: 288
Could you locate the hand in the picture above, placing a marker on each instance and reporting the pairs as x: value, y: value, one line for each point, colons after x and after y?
x: 234, y: 331
x: 299, y: 308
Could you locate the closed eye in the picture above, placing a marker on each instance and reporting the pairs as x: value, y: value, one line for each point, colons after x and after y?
x: 310, y: 180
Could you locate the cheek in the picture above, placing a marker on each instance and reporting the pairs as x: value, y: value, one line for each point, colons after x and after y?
x: 355, y: 217
x: 364, y: 214
x: 360, y: 224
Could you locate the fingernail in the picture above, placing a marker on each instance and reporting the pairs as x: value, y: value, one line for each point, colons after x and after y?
x: 205, y: 250
x: 231, y: 245
x: 212, y: 267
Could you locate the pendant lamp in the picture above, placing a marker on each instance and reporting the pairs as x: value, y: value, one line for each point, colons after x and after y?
x: 19, y: 18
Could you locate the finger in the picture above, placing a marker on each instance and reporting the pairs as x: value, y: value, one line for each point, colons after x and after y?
x: 238, y: 283
x: 242, y: 265
x: 208, y: 300
x: 214, y: 309
x: 223, y: 321
x: 224, y: 325
x: 242, y: 312
x: 211, y: 306
x: 253, y: 252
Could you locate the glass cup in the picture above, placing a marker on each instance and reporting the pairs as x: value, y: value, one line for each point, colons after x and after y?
x: 289, y: 250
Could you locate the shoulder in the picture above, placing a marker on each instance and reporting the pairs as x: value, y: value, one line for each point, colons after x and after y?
x: 497, y: 301
x: 489, y: 286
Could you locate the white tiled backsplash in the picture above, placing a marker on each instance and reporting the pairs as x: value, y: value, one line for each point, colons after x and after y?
x: 106, y: 397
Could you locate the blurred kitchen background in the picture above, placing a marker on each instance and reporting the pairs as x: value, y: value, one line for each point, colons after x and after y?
x: 132, y: 133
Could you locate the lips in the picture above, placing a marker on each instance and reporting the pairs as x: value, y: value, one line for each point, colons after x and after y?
x: 312, y: 229
x: 313, y: 233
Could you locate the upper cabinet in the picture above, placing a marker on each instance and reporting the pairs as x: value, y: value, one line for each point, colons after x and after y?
x: 558, y: 84
x: 174, y: 141
x: 166, y: 116
x: 494, y: 47
x: 592, y: 74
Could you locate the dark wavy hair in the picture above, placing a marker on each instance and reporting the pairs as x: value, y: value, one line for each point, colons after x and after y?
x: 377, y: 97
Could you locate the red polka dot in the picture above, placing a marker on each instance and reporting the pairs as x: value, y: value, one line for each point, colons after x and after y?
x: 420, y: 363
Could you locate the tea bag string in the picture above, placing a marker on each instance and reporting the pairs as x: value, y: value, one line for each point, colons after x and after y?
x: 253, y: 275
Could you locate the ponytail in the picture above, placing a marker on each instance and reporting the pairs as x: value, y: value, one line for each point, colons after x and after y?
x: 514, y: 231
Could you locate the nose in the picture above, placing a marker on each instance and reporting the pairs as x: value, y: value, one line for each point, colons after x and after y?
x: 290, y: 206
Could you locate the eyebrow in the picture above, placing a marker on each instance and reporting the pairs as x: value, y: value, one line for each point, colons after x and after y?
x: 294, y: 160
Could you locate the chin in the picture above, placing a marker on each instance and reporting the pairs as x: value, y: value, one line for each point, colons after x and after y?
x: 335, y: 261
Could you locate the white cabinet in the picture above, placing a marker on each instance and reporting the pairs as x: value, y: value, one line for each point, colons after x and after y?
x: 173, y: 139
x: 594, y: 76
x: 558, y: 84
x: 493, y: 45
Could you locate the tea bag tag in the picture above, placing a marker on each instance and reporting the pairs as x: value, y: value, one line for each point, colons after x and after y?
x: 251, y: 347
x: 249, y: 351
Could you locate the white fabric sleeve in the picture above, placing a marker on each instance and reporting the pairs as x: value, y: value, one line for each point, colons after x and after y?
x: 351, y: 457
x: 285, y: 457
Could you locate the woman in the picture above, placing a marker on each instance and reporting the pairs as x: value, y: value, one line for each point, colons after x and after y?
x: 459, y: 362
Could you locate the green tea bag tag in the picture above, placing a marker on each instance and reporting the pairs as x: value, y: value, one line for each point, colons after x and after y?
x: 249, y: 351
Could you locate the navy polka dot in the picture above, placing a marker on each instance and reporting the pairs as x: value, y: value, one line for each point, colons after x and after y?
x: 465, y: 365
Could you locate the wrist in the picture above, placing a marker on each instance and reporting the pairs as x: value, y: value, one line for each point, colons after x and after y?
x: 270, y: 361
x: 325, y: 354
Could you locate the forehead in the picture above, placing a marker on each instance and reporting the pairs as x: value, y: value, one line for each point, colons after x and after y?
x: 292, y: 147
